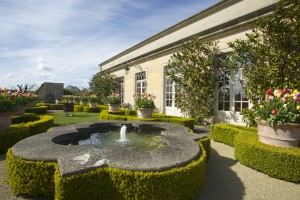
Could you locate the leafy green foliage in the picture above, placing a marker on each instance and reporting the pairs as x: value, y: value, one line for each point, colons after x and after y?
x: 34, y: 178
x: 103, y: 84
x: 270, y: 54
x: 194, y: 69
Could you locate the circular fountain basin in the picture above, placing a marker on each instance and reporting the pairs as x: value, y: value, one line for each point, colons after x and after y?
x: 177, y: 147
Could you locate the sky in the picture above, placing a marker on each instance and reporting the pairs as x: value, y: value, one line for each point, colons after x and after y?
x: 64, y: 41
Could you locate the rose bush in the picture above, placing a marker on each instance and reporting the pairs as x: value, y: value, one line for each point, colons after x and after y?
x: 281, y: 106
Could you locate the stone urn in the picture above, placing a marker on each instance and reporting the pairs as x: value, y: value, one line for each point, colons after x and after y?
x: 113, y: 107
x: 92, y: 104
x: 145, y: 112
x: 284, y: 135
x: 19, y: 110
x: 5, y: 120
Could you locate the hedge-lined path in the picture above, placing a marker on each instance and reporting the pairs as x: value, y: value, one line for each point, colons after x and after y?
x: 226, y: 179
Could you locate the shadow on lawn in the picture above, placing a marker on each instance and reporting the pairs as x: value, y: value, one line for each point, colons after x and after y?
x: 221, y: 182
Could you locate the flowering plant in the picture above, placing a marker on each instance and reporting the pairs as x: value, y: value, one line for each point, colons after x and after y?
x: 280, y: 106
x: 92, y: 99
x: 114, y: 99
x: 10, y: 100
x: 144, y: 100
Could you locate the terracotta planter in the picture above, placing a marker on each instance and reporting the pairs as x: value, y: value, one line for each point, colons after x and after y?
x: 92, y: 104
x: 5, y: 120
x: 145, y: 112
x: 20, y: 110
x: 113, y: 107
x: 285, y: 135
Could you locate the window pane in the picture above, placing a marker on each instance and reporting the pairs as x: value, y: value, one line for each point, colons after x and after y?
x: 245, y: 105
x: 220, y: 106
x: 237, y: 96
x: 227, y: 106
x: 237, y: 106
x: 227, y: 95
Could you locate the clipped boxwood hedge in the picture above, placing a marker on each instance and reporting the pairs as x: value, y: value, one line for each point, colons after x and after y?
x: 17, y: 132
x: 277, y: 162
x: 78, y: 108
x: 38, y: 110
x: 27, y: 117
x: 92, y: 109
x: 55, y: 106
x: 35, y: 178
x: 226, y: 133
x: 120, y: 115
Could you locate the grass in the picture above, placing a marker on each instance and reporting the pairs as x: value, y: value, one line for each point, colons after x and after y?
x: 60, y: 118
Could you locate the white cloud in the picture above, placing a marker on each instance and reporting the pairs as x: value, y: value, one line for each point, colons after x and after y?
x: 10, y: 75
x: 64, y: 41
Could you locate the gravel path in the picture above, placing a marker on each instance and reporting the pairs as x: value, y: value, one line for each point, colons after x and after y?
x: 226, y: 179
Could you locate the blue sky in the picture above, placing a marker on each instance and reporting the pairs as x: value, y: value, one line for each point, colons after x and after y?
x: 65, y: 40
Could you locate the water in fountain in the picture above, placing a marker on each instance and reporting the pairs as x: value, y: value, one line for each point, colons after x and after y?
x: 123, y: 137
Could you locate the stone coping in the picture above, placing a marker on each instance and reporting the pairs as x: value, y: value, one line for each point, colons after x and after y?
x: 180, y: 148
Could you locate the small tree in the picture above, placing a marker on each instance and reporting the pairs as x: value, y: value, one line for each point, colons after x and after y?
x: 270, y: 56
x: 195, y: 69
x: 103, y: 84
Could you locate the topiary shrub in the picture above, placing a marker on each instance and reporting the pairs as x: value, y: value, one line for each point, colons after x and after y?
x: 278, y: 162
x: 91, y: 109
x: 119, y: 115
x: 78, y: 108
x: 38, y: 110
x: 34, y: 178
x: 226, y: 133
x: 27, y: 117
x: 29, y: 177
x: 17, y: 132
x: 55, y: 106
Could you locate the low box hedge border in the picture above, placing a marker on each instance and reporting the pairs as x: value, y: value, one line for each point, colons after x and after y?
x: 40, y: 178
x: 277, y: 162
x: 38, y: 110
x: 99, y: 108
x: 120, y: 115
x: 22, y: 130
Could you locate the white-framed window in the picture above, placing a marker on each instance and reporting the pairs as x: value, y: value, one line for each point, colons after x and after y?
x: 224, y: 91
x: 231, y: 95
x: 120, y: 89
x: 140, y: 83
x: 170, y: 93
x: 240, y: 99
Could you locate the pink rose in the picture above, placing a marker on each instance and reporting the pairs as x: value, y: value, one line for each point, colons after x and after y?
x: 274, y: 112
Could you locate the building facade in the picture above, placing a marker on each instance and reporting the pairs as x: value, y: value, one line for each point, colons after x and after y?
x: 50, y: 91
x: 141, y: 68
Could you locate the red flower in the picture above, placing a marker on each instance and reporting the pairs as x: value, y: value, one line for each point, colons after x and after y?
x: 269, y: 91
x: 274, y: 112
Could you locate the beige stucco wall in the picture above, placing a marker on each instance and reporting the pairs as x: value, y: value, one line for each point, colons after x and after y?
x: 151, y: 56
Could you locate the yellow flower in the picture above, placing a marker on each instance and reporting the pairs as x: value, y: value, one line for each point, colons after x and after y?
x: 298, y: 107
x: 261, y: 106
x: 278, y: 95
x: 295, y: 91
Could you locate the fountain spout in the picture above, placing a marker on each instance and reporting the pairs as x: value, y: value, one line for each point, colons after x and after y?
x: 123, y: 137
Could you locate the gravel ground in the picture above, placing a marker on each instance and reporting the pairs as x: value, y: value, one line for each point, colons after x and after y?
x: 226, y: 179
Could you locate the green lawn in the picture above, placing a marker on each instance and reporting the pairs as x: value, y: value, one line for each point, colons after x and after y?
x: 60, y: 118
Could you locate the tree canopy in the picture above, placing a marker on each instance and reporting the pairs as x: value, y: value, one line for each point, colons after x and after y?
x: 103, y: 84
x: 195, y: 69
x: 270, y: 56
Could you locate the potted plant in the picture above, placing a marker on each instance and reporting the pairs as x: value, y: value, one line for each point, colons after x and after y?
x: 93, y: 99
x: 144, y: 103
x: 75, y: 99
x: 7, y: 106
x: 278, y: 118
x: 114, y: 102
x: 83, y: 100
